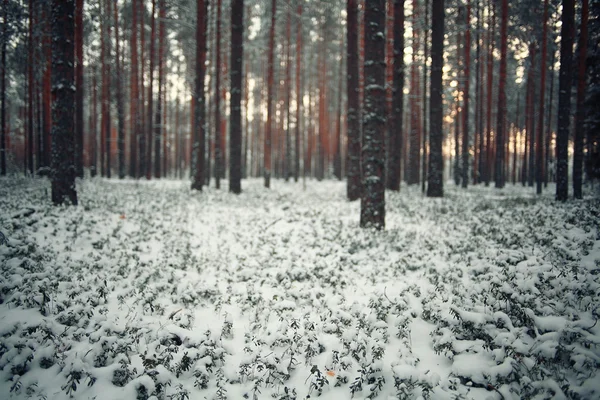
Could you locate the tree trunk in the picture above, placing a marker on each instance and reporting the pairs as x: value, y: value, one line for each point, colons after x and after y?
x: 501, y: 116
x: 237, y: 56
x: 372, y: 206
x: 63, y: 119
x: 270, y: 66
x: 134, y: 121
x: 415, y: 115
x: 490, y: 78
x: 567, y: 33
x: 540, y: 133
x: 150, y: 128
x: 425, y: 57
x: 3, y: 91
x: 158, y: 122
x: 30, y: 91
x: 549, y: 127
x: 299, y: 97
x: 580, y: 113
x: 531, y: 129
x: 120, y: 105
x: 198, y: 149
x: 143, y: 165
x: 395, y: 123
x: 79, y: 128
x: 465, y: 111
x: 435, y: 186
x: 45, y: 160
x: 353, y: 189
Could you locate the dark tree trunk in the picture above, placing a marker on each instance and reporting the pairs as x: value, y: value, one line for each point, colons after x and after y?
x: 79, y: 128
x: 30, y: 91
x: 3, y: 91
x: 549, y: 126
x: 93, y: 130
x: 45, y: 160
x: 288, y: 89
x: 120, y: 103
x: 567, y: 32
x: 63, y: 106
x: 501, y: 116
x: 414, y: 172
x: 143, y: 165
x: 198, y: 147
x: 540, y: 133
x: 353, y: 190
x: 435, y: 186
x: 237, y: 56
x: 134, y: 98
x: 270, y: 100
x: 465, y: 111
x: 158, y: 118
x: 372, y: 207
x: 150, y: 128
x: 395, y: 122
x: 531, y: 127
x: 217, y: 124
x: 580, y: 113
x: 425, y: 57
x: 490, y: 79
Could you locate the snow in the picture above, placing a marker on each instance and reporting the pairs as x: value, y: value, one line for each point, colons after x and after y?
x: 150, y: 290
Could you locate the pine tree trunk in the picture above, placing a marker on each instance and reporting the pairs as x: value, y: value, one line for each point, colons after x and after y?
x: 134, y: 120
x: 270, y: 104
x: 237, y: 56
x: 531, y: 157
x: 93, y: 130
x: 465, y: 111
x: 435, y: 186
x: 549, y: 127
x: 415, y: 115
x: 567, y: 33
x: 540, y: 133
x: 353, y: 189
x: 490, y: 78
x: 150, y: 113
x: 501, y: 116
x: 158, y: 122
x: 580, y: 112
x: 299, y: 97
x: 30, y: 91
x: 120, y: 104
x: 372, y: 206
x: 198, y: 148
x: 425, y: 57
x: 63, y: 119
x: 3, y: 91
x: 79, y: 87
x: 395, y: 122
x: 143, y: 165
x: 45, y: 160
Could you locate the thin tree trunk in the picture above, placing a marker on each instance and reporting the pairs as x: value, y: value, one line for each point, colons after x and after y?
x: 531, y: 168
x: 79, y: 87
x: 501, y: 116
x: 299, y: 97
x: 158, y: 122
x: 198, y: 148
x: 30, y: 91
x: 465, y: 111
x: 549, y: 127
x: 134, y: 120
x: 396, y: 121
x: 435, y: 186
x: 150, y: 115
x: 540, y: 133
x: 425, y: 56
x: 580, y: 113
x: 490, y: 77
x: 3, y: 91
x: 353, y: 189
x: 415, y: 115
x: 143, y: 122
x: 120, y: 104
x: 270, y: 105
x: 46, y: 91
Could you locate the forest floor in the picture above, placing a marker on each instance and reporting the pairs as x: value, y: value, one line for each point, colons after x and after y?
x: 149, y: 290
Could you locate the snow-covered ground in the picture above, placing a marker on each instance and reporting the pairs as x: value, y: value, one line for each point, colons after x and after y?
x: 150, y: 290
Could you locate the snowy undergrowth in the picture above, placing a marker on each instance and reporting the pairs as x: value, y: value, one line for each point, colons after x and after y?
x: 149, y: 290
